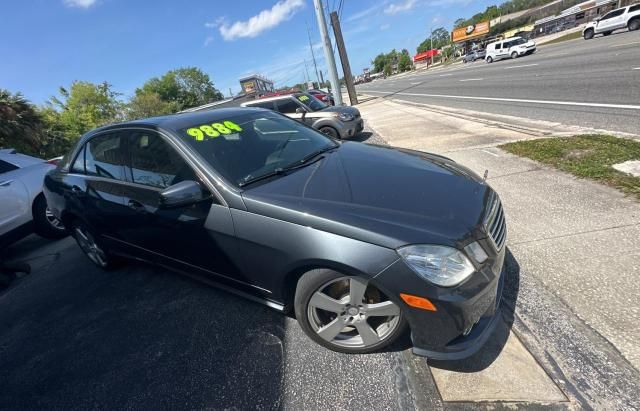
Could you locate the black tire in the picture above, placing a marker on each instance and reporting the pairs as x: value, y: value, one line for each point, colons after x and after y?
x: 634, y: 24
x: 489, y: 60
x: 588, y: 35
x: 330, y: 131
x: 514, y: 55
x: 45, y: 224
x: 313, y: 281
x: 606, y: 33
x: 80, y: 231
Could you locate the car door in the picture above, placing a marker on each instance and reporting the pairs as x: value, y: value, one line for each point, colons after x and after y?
x: 609, y: 21
x: 14, y: 207
x: 497, y: 53
x: 176, y: 236
x: 94, y: 185
x: 289, y: 105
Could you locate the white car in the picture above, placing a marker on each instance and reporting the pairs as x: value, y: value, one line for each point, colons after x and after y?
x: 625, y: 17
x: 512, y: 47
x: 23, y: 208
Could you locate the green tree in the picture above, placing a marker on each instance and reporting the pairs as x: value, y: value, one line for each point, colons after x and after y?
x: 85, y: 106
x: 387, y: 69
x: 20, y: 123
x: 379, y: 62
x: 149, y: 104
x: 440, y: 39
x: 404, y: 62
x: 184, y: 87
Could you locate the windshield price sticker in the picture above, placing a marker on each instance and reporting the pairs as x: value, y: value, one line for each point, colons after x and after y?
x: 213, y: 130
x: 303, y: 98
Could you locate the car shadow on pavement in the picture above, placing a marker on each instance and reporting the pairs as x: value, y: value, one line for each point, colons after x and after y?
x: 73, y: 336
x: 496, y: 342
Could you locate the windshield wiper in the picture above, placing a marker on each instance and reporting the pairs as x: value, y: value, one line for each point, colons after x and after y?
x: 282, y: 170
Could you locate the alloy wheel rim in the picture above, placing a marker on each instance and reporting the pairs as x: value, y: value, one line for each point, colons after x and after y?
x: 349, y: 312
x: 90, y: 248
x: 53, y: 220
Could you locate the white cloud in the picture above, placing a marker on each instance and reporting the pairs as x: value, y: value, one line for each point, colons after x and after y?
x: 364, y: 13
x: 216, y: 23
x: 208, y: 41
x: 83, y: 4
x: 263, y: 21
x: 385, y: 26
x: 395, y: 8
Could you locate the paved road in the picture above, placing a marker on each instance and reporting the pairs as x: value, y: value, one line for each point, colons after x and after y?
x: 603, y: 73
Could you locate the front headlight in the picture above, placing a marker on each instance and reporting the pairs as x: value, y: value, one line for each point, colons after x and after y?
x: 443, y: 266
x: 345, y: 116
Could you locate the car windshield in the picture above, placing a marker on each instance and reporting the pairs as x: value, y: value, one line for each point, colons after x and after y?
x: 311, y: 102
x: 517, y: 42
x: 246, y: 147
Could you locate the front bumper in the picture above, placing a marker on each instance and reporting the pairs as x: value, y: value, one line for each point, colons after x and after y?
x: 529, y: 50
x: 352, y: 128
x: 466, y: 314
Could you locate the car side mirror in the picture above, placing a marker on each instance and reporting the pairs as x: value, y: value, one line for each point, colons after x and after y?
x: 302, y: 111
x: 181, y: 194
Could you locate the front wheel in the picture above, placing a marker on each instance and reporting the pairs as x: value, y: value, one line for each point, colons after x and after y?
x: 634, y: 25
x: 588, y: 35
x: 45, y: 223
x: 330, y: 131
x: 90, y: 246
x: 514, y: 55
x: 346, y: 313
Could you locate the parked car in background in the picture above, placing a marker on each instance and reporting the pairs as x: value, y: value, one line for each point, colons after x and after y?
x: 474, y: 55
x: 23, y: 207
x: 513, y: 47
x: 322, y: 96
x: 335, y: 121
x: 625, y: 17
x: 359, y: 241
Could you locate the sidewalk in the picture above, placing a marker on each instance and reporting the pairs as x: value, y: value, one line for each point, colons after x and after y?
x: 575, y: 241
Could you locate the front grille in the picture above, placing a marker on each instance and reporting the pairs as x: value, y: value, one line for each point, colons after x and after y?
x: 495, y: 223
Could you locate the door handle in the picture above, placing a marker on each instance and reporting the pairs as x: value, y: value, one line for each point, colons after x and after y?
x: 6, y: 183
x: 136, y: 206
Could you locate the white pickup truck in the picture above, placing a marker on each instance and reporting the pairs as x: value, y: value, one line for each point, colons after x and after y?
x: 625, y: 17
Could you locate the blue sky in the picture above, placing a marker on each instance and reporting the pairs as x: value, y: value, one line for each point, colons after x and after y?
x: 49, y: 43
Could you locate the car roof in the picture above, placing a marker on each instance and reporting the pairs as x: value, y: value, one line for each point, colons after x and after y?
x: 182, y: 120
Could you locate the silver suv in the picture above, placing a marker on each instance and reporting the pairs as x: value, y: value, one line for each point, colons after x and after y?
x: 335, y: 121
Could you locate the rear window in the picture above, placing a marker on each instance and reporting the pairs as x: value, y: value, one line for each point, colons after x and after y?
x: 634, y: 8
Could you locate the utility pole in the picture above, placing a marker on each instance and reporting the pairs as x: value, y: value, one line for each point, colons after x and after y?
x: 342, y: 51
x: 431, y: 51
x: 328, y: 52
x: 230, y: 93
x: 313, y: 55
x: 306, y: 70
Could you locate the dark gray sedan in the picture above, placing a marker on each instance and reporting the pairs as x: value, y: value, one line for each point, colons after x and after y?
x: 359, y: 241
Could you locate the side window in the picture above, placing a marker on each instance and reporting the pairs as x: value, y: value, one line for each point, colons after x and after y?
x: 6, y: 167
x: 155, y: 163
x: 104, y: 156
x: 634, y: 8
x: 498, y: 46
x: 287, y: 106
x: 78, y: 165
x: 263, y: 104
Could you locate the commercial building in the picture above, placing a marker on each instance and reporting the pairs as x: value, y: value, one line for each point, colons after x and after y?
x: 468, y: 38
x: 256, y: 84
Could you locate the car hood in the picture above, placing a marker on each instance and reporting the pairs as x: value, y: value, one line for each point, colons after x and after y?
x: 386, y: 196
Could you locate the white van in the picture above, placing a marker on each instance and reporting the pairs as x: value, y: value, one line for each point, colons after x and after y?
x: 512, y: 47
